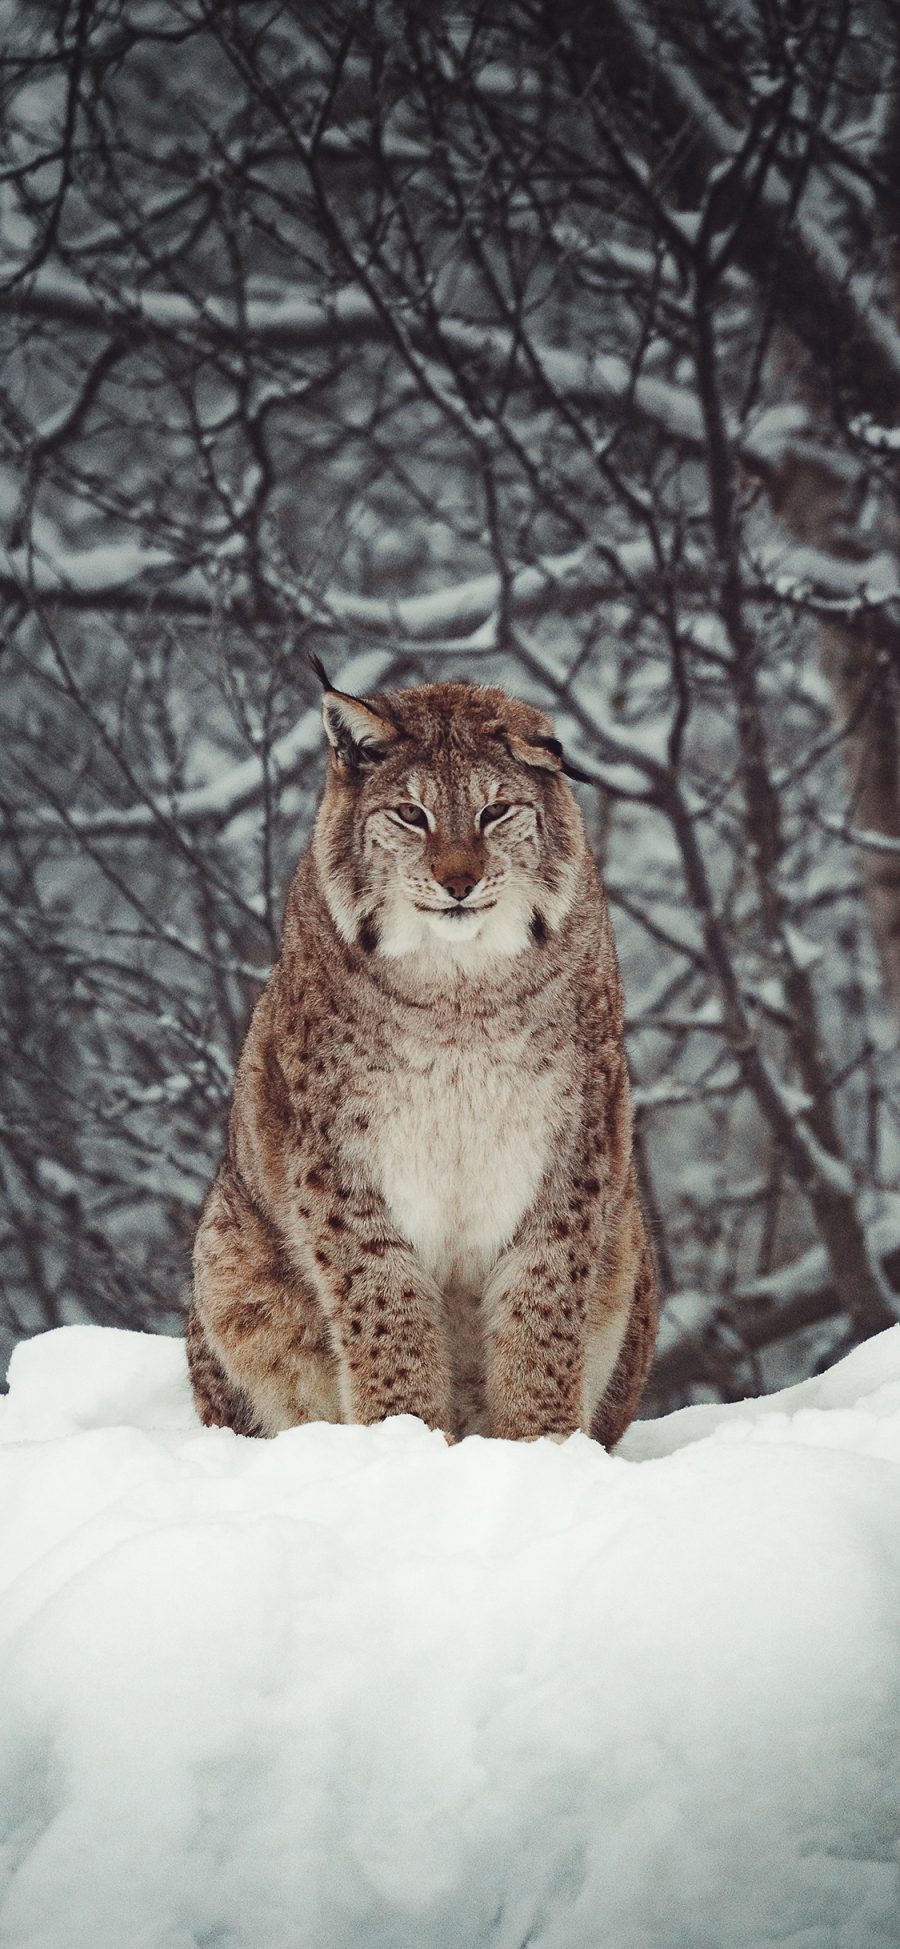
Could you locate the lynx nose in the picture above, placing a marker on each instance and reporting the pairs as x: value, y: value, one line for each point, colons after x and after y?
x: 457, y: 868
x: 459, y: 883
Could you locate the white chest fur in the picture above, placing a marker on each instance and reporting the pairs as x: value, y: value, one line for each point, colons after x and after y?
x: 465, y: 1136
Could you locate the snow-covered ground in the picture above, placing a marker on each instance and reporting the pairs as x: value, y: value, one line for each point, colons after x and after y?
x: 354, y: 1689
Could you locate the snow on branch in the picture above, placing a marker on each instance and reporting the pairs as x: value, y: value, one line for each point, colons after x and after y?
x: 129, y: 575
x: 862, y: 838
x: 802, y: 573
x: 297, y: 324
x: 293, y: 323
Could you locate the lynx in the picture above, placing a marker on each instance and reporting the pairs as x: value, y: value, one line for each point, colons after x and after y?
x: 428, y: 1202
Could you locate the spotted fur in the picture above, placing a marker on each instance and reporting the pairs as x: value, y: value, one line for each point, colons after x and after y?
x: 428, y: 1202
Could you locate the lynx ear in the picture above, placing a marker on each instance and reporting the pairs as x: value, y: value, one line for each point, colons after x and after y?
x: 358, y: 735
x: 545, y: 753
x: 548, y: 755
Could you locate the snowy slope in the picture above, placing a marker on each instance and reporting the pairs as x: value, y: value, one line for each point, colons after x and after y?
x: 354, y: 1687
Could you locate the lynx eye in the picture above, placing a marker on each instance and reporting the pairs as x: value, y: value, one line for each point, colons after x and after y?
x: 491, y: 813
x: 412, y: 815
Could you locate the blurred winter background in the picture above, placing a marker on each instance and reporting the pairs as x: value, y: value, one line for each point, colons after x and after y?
x: 549, y: 344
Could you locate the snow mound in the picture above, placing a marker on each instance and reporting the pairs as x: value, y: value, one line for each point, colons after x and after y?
x: 354, y: 1689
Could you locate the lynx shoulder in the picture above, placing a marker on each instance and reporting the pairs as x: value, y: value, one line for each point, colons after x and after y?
x: 428, y: 1202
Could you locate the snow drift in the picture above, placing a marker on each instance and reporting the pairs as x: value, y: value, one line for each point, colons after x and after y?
x: 354, y: 1687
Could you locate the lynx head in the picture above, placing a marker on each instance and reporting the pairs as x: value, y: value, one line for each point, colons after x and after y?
x: 446, y: 826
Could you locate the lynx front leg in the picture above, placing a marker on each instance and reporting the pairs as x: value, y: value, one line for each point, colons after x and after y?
x: 385, y: 1319
x: 571, y: 1312
x: 535, y: 1321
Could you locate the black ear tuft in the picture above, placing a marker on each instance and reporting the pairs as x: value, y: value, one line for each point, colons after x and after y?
x: 316, y: 664
x: 571, y: 771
